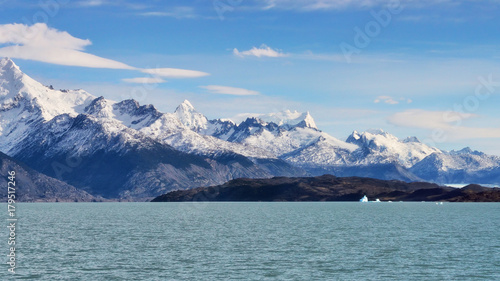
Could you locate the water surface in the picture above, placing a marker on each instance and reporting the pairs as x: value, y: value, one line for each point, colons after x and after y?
x: 257, y: 241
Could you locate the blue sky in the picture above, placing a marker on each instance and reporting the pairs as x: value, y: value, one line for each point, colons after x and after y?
x: 425, y: 68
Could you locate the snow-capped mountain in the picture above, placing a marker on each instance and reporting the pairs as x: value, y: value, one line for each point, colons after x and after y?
x: 377, y: 146
x: 25, y: 103
x: 124, y: 149
x: 116, y: 149
x: 188, y: 116
x: 278, y: 133
x: 459, y: 166
x: 289, y: 118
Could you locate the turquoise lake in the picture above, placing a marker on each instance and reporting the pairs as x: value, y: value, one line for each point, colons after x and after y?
x: 255, y: 241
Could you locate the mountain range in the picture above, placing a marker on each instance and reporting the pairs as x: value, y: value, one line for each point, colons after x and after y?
x: 124, y: 150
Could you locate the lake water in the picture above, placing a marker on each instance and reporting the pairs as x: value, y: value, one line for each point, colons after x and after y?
x: 256, y: 241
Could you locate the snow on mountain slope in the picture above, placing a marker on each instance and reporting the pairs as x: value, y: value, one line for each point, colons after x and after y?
x: 289, y: 118
x: 220, y: 128
x: 15, y: 87
x: 377, y: 146
x: 188, y: 116
x: 325, y: 151
x: 177, y: 129
x: 81, y: 136
x: 170, y: 130
x: 463, y: 166
x: 128, y: 112
x: 24, y: 103
x: 465, y: 159
x: 282, y: 141
x: 278, y: 133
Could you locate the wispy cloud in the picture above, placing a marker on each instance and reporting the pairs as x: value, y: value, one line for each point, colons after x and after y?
x: 175, y: 73
x: 39, y: 42
x: 432, y: 18
x: 174, y: 12
x: 314, y: 5
x: 100, y: 3
x: 92, y: 3
x: 224, y: 90
x: 448, y: 122
x: 425, y: 119
x: 144, y: 80
x: 262, y: 51
x: 391, y: 100
x: 311, y: 5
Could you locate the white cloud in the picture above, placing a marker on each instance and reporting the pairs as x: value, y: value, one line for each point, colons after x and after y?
x: 61, y: 57
x: 320, y: 57
x: 224, y: 90
x: 92, y: 3
x: 450, y: 123
x: 174, y: 12
x: 41, y: 43
x: 391, y: 100
x: 424, y: 119
x: 175, y: 72
x: 313, y: 5
x: 115, y: 3
x: 262, y: 51
x: 144, y: 80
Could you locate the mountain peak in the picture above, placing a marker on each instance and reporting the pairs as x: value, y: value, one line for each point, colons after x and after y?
x: 290, y: 118
x: 353, y: 137
x: 185, y: 106
x: 7, y: 63
x: 373, y: 138
x: 411, y: 139
x: 376, y: 132
x: 466, y: 150
x: 9, y: 71
x: 190, y: 117
x: 18, y: 89
x: 99, y: 107
x: 356, y: 138
x: 309, y: 121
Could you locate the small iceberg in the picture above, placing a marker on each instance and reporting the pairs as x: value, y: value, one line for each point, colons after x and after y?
x: 364, y: 199
x: 377, y: 200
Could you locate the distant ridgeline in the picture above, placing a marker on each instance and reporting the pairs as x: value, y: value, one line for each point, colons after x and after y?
x: 331, y: 188
x: 127, y: 151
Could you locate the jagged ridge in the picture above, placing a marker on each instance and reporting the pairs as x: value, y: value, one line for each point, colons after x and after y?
x: 41, y: 126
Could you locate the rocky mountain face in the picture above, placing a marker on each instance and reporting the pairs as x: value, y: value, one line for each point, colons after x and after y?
x: 131, y: 151
x: 32, y: 186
